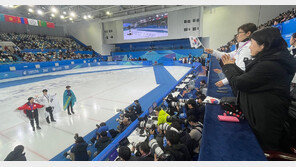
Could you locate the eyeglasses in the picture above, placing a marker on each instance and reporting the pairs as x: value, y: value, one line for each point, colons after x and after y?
x: 240, y: 32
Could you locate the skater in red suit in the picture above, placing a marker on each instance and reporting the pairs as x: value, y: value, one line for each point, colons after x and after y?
x: 31, y: 111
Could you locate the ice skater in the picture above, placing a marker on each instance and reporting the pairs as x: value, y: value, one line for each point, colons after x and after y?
x: 46, y: 100
x: 31, y: 111
x: 69, y: 100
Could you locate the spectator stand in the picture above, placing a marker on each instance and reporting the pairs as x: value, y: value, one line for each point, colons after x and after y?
x: 225, y: 141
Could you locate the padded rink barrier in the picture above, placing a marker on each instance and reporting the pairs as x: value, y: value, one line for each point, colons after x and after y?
x: 165, y: 87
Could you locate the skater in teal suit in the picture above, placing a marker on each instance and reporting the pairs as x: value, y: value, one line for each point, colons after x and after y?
x: 69, y: 100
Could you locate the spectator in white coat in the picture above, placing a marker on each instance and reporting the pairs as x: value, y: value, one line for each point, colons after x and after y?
x: 242, y: 50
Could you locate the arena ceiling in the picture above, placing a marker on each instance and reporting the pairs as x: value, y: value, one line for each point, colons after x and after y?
x: 76, y: 13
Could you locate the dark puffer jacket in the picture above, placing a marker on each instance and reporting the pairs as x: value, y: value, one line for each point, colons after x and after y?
x: 17, y: 154
x: 263, y: 92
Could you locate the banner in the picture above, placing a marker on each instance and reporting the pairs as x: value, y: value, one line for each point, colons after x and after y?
x: 50, y: 25
x: 2, y: 18
x: 42, y: 23
x: 9, y: 18
x: 33, y: 22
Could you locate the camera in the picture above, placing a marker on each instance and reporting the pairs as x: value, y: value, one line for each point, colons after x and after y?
x: 76, y: 136
x: 147, y: 123
x: 121, y: 115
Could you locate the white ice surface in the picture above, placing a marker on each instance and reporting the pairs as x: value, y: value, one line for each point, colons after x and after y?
x: 98, y: 94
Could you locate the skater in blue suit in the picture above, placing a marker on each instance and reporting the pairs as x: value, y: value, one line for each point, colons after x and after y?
x: 69, y: 100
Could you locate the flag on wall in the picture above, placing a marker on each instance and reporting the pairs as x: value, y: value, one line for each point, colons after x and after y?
x: 33, y: 22
x: 42, y: 23
x: 24, y: 20
x: 50, y: 25
x: 195, y: 42
x: 18, y: 20
x: 9, y: 18
x: 2, y: 18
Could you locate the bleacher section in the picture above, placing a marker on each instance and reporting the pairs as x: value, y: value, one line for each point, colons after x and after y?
x: 41, y: 48
x: 154, y: 45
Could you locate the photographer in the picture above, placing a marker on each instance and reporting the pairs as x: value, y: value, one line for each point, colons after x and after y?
x: 124, y: 154
x: 203, y: 87
x: 131, y: 114
x: 145, y: 153
x: 195, y: 132
x: 172, y: 103
x: 138, y: 108
x: 157, y: 134
x: 17, y: 154
x: 102, y: 142
x: 123, y: 125
x: 174, y: 151
x: 191, y: 108
x: 201, y: 107
x: 100, y: 128
x: 79, y: 150
x: 161, y: 116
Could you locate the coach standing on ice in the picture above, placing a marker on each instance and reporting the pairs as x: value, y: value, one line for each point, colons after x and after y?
x: 46, y: 100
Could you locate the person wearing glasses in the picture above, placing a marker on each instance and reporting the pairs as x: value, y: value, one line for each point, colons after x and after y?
x: 241, y: 52
x: 264, y: 89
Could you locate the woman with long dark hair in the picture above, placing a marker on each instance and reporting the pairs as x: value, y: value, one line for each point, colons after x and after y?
x: 263, y: 89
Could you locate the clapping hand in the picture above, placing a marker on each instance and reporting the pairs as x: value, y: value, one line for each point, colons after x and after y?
x: 207, y: 50
x: 227, y: 60
x: 219, y: 84
x: 217, y: 71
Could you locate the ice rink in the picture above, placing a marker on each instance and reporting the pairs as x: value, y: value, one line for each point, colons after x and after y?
x: 99, y: 90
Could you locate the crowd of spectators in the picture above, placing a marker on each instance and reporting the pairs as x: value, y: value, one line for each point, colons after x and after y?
x: 32, y: 41
x: 6, y: 55
x: 10, y: 54
x: 285, y: 16
x: 53, y: 56
x: 288, y: 15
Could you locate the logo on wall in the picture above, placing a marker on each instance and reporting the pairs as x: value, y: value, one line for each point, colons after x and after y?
x: 45, y: 70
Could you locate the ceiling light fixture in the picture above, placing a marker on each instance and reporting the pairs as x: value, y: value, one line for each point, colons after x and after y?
x: 40, y: 12
x: 54, y: 10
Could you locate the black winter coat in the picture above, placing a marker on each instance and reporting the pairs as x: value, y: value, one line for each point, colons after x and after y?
x: 263, y: 92
x: 80, y: 151
x: 102, y: 143
x: 16, y: 155
x: 179, y: 152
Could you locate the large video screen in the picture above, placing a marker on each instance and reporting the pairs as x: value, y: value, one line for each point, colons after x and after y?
x: 152, y: 26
